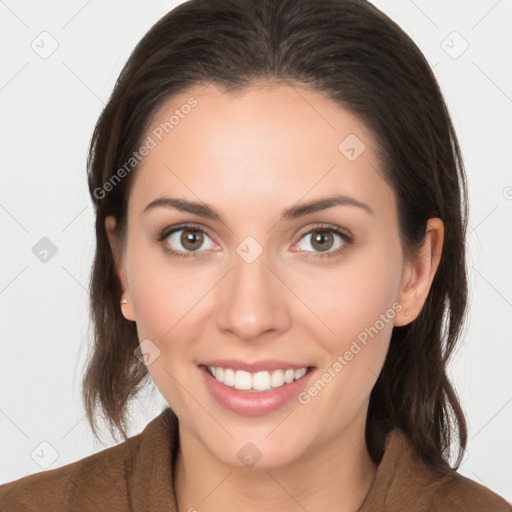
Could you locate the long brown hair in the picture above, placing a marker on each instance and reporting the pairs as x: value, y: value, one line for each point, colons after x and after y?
x: 354, y: 54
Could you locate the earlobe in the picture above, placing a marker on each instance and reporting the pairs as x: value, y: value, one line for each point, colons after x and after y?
x: 419, y: 273
x: 125, y: 302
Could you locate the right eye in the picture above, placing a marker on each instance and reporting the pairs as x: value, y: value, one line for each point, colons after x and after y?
x: 190, y: 237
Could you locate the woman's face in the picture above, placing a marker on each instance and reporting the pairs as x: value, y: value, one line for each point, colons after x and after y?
x: 261, y: 283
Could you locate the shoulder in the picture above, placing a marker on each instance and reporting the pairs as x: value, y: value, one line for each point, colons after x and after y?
x: 134, y: 475
x: 455, y: 492
x: 85, y: 481
x: 404, y: 482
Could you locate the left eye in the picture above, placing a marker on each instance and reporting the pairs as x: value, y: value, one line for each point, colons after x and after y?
x: 324, y: 239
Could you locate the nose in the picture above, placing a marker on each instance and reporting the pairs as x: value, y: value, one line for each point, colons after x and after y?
x: 251, y: 302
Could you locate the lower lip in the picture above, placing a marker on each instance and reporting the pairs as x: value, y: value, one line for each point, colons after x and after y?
x: 254, y: 403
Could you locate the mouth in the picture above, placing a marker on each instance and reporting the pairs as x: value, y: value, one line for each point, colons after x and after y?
x: 256, y: 382
x: 254, y: 389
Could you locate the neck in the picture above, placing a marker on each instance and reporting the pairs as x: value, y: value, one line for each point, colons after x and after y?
x: 334, y: 476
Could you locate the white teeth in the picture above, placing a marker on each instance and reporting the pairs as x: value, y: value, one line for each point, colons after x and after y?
x: 277, y: 379
x: 300, y: 373
x: 289, y: 376
x: 229, y: 377
x: 243, y: 380
x: 259, y: 381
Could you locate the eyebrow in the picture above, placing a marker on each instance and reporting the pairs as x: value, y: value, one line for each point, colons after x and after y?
x: 299, y: 210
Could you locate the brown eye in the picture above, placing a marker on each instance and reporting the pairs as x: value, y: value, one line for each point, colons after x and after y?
x: 191, y: 239
x: 322, y: 240
x: 187, y: 240
x: 329, y: 240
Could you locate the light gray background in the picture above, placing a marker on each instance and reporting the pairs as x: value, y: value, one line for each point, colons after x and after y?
x: 48, y: 108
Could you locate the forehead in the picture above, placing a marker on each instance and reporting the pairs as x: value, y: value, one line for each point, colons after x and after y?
x: 266, y: 145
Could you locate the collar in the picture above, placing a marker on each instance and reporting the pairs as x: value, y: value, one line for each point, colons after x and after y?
x: 150, y: 477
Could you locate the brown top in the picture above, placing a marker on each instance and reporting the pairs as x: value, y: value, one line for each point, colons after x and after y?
x: 136, y: 475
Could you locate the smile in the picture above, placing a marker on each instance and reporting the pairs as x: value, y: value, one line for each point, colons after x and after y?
x: 258, y: 381
x: 254, y: 389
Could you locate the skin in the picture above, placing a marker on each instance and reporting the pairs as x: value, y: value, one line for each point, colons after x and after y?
x: 250, y: 156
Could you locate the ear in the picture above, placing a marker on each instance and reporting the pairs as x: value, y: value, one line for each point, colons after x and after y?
x: 419, y: 273
x: 110, y: 226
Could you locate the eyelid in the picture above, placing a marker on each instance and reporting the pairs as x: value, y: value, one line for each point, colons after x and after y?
x: 329, y: 227
x: 166, y: 232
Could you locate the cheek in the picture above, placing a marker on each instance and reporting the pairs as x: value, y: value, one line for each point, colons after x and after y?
x: 357, y: 303
x: 354, y: 297
x: 168, y: 303
x: 165, y: 292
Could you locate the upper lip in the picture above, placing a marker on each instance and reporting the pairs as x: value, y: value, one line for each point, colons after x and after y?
x: 254, y: 366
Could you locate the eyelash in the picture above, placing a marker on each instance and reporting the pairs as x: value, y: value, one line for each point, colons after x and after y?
x: 347, y: 240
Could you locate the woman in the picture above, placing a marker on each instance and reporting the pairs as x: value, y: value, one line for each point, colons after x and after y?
x: 280, y: 222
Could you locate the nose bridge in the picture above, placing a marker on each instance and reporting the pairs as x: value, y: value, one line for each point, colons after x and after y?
x: 249, y: 302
